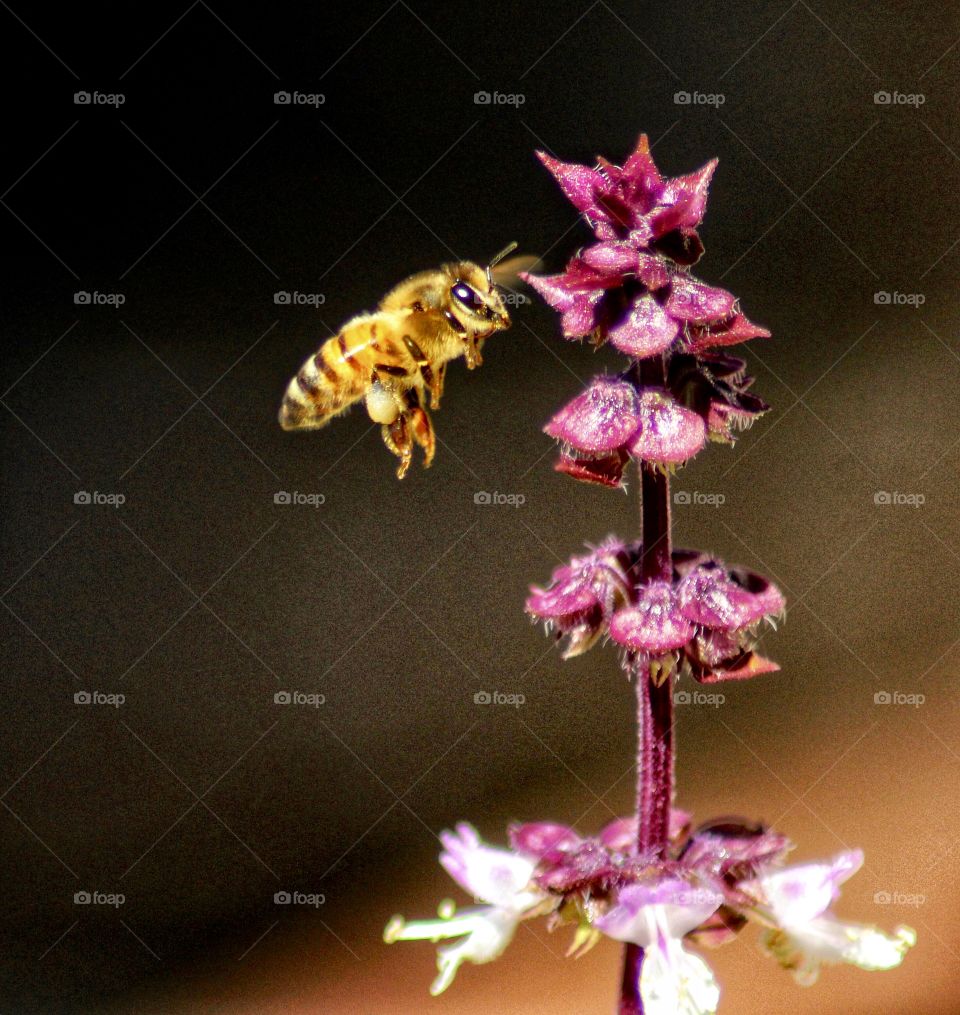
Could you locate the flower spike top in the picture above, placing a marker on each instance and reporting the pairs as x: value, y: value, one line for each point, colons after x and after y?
x: 652, y: 881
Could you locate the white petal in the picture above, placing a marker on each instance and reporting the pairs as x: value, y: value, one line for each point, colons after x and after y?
x: 674, y: 981
x: 492, y: 931
x: 803, y: 949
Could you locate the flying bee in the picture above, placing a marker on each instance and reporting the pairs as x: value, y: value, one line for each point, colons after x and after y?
x: 397, y: 356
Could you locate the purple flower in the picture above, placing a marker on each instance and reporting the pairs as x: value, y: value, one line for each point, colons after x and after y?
x: 704, y: 621
x: 584, y: 595
x: 634, y: 202
x: 633, y: 287
x: 709, y: 611
x: 612, y: 421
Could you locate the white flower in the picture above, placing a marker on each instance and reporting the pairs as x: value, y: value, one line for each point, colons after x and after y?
x: 497, y: 877
x: 806, y: 935
x: 673, y: 981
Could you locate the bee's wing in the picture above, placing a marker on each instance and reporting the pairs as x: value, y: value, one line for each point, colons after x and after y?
x: 507, y: 273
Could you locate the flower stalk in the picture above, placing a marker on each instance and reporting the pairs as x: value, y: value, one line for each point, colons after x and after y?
x: 652, y: 881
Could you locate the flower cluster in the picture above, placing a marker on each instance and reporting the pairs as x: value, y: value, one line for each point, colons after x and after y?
x: 714, y: 881
x: 633, y: 289
x: 704, y: 622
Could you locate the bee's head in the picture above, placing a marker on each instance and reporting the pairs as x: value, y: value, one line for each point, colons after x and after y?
x: 475, y: 299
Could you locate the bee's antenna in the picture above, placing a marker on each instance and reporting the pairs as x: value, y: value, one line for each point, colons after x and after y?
x: 508, y: 249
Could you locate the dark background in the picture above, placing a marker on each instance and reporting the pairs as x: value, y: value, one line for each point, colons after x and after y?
x: 198, y: 199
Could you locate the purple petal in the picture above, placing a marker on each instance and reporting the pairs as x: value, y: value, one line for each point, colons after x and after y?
x: 540, y: 838
x: 730, y: 332
x: 602, y: 418
x: 578, y: 306
x: 695, y: 301
x: 684, y: 199
x: 708, y: 597
x: 640, y: 173
x: 611, y: 257
x: 562, y: 601
x: 580, y: 184
x: 620, y: 835
x: 681, y: 907
x: 655, y: 624
x: 645, y: 331
x: 669, y: 432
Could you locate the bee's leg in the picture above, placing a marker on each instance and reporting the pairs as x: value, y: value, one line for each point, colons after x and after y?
x: 398, y: 438
x: 423, y: 434
x: 432, y: 379
x: 436, y: 386
x: 473, y: 357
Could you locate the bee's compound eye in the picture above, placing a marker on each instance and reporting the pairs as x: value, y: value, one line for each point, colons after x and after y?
x: 466, y: 295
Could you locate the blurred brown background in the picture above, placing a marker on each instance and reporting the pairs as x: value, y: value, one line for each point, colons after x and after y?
x: 199, y: 598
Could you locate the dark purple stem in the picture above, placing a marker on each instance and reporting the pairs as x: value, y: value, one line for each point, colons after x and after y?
x: 654, y: 703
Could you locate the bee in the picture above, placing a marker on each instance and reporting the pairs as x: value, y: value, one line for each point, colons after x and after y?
x: 396, y: 357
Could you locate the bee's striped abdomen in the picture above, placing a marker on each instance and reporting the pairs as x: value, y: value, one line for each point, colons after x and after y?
x: 329, y: 382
